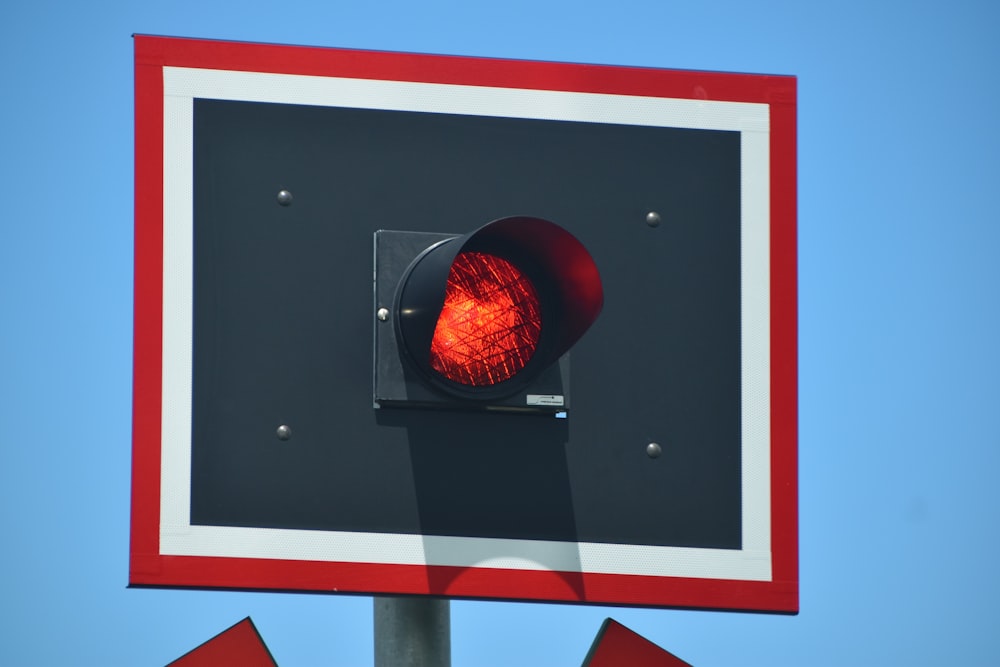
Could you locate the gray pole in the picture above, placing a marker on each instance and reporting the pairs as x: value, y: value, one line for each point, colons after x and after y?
x: 412, y: 632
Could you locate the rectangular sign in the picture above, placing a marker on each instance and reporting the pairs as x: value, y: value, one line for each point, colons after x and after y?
x: 264, y: 175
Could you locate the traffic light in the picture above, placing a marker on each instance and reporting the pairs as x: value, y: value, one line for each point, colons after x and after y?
x: 480, y: 321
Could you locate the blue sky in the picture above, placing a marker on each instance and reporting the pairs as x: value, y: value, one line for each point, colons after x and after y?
x: 899, y: 233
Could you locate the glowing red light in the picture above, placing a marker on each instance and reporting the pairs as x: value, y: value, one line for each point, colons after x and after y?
x: 489, y: 326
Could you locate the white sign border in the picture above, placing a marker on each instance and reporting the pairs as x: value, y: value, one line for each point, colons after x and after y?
x: 181, y: 86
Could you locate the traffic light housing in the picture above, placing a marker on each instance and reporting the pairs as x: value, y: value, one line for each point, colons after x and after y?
x: 484, y: 320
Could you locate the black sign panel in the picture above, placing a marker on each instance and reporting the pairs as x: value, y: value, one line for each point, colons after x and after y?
x: 284, y: 321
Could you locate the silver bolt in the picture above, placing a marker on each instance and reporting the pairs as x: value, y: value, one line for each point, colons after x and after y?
x: 653, y: 450
x: 653, y: 219
x: 382, y: 314
x: 285, y: 198
x: 284, y: 432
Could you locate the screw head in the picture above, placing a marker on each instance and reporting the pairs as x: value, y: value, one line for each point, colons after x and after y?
x: 285, y: 198
x: 284, y: 432
x: 382, y: 314
x: 653, y: 219
x: 653, y: 450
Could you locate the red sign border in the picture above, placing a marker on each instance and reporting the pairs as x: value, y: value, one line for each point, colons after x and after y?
x: 148, y: 567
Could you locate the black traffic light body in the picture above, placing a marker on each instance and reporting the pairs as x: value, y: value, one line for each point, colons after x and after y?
x: 481, y: 343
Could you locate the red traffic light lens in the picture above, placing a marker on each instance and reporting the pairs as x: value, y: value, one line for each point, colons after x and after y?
x: 490, y: 324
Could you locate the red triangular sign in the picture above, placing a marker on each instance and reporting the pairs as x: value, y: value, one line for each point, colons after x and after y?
x: 239, y: 645
x: 616, y: 645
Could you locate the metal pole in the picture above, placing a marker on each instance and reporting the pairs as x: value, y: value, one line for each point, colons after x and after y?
x: 412, y: 632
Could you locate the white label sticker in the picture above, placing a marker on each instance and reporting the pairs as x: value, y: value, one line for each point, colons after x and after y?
x: 545, y: 399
